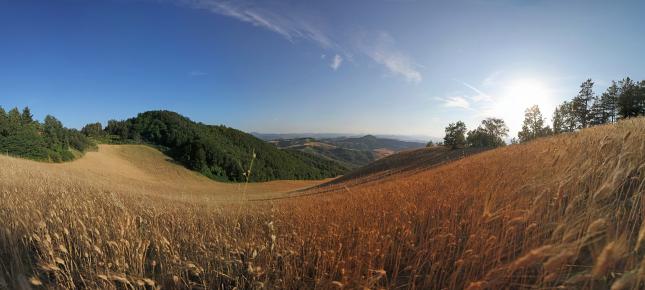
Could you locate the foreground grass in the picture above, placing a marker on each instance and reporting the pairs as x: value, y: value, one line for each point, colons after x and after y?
x: 562, y: 212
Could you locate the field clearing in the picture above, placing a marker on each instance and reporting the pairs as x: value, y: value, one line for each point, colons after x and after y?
x: 139, y: 169
x: 559, y: 212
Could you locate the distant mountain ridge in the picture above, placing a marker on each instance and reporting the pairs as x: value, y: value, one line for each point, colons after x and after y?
x: 352, y: 152
x: 276, y: 136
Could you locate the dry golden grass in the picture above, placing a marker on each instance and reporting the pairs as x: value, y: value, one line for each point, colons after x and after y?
x: 560, y: 212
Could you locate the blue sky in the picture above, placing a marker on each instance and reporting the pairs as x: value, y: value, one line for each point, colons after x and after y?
x: 380, y: 66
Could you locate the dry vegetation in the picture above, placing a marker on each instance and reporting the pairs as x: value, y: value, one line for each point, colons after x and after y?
x: 564, y: 211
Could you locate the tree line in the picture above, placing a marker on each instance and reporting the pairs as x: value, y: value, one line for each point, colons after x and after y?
x: 21, y: 135
x: 623, y: 99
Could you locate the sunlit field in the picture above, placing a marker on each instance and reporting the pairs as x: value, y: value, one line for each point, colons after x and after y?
x: 562, y: 211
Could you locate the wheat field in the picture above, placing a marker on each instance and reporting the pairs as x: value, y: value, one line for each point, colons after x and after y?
x: 564, y: 212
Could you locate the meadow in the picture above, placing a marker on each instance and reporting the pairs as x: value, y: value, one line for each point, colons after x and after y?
x: 559, y: 212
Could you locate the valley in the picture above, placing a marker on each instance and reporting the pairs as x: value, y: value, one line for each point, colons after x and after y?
x: 547, y: 213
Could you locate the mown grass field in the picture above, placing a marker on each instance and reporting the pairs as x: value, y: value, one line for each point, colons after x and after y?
x: 559, y: 212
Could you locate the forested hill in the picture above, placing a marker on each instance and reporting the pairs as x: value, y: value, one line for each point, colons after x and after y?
x: 218, y: 152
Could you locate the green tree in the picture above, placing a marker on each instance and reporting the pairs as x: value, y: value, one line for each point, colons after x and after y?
x: 533, y: 125
x: 581, y: 104
x: 93, y: 130
x: 4, y: 123
x: 558, y: 120
x: 26, y: 117
x: 54, y: 134
x: 490, y: 133
x: 455, y: 135
x: 13, y: 120
x: 607, y: 105
x: 118, y: 128
x: 631, y: 100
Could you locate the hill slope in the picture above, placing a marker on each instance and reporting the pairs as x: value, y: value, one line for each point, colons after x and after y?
x: 564, y: 212
x: 353, y: 152
x: 407, y: 161
x: 559, y: 212
x: 220, y: 152
x: 137, y: 170
x: 370, y: 142
x: 350, y: 158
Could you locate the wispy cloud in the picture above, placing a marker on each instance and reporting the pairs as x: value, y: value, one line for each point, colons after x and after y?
x: 455, y: 102
x: 197, y: 73
x: 297, y: 25
x: 492, y: 79
x: 479, y: 96
x: 336, y: 62
x: 382, y: 50
x: 292, y: 26
x: 470, y: 101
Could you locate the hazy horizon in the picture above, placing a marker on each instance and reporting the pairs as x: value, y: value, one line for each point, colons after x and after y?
x: 377, y: 67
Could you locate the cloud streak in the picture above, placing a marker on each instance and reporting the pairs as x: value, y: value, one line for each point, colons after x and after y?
x: 294, y: 26
x: 472, y: 102
x: 336, y: 62
x: 291, y: 26
x: 383, y: 51
x: 455, y: 102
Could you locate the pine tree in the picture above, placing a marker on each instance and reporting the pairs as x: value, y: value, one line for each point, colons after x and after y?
x: 641, y: 98
x: 13, y: 120
x: 4, y: 122
x: 558, y: 120
x: 628, y: 99
x: 597, y: 114
x: 609, y: 103
x: 581, y: 104
x: 26, y: 117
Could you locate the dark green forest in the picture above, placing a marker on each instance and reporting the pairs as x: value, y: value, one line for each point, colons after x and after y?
x: 22, y: 136
x: 218, y: 152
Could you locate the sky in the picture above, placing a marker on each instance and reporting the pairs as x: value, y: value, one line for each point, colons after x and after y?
x: 401, y: 67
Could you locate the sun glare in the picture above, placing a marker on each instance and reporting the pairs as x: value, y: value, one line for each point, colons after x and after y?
x: 521, y: 94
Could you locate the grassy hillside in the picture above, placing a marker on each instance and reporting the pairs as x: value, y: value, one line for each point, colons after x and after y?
x: 562, y: 212
x: 220, y: 152
x: 407, y: 161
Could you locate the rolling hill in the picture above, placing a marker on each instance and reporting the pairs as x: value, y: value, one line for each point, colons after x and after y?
x: 352, y: 152
x: 562, y: 212
x: 220, y: 152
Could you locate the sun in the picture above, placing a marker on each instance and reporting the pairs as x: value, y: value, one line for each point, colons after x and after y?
x: 520, y: 94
